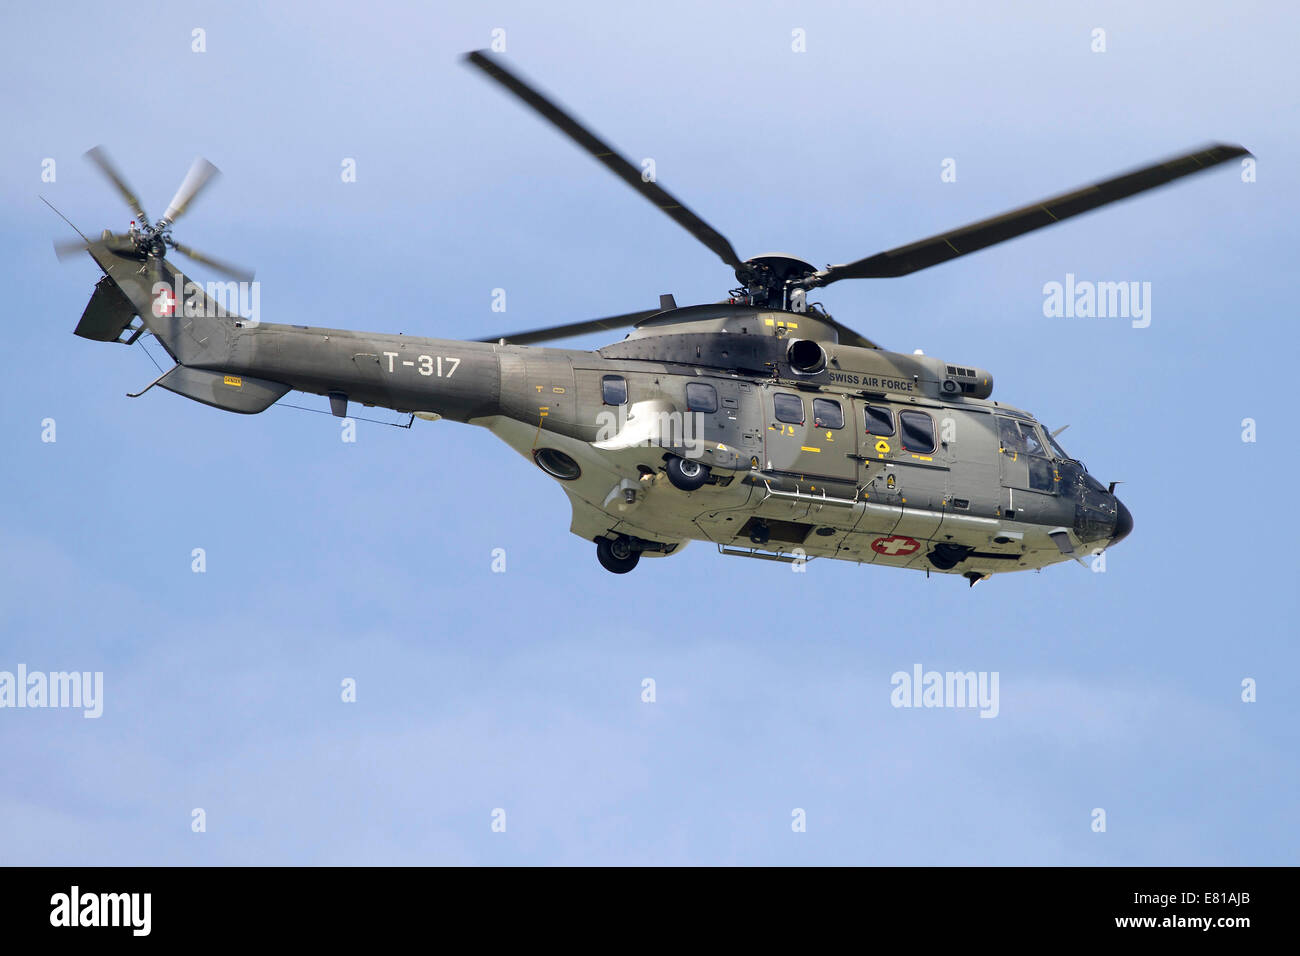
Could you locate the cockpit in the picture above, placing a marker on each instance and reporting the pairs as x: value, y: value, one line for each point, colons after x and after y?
x: 1037, y: 462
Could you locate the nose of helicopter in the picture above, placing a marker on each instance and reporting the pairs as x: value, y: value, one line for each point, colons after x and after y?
x: 1123, y: 522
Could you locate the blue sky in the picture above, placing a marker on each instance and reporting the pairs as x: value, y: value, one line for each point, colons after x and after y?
x: 1119, y: 690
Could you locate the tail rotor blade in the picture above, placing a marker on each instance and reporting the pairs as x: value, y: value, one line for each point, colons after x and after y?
x: 70, y: 248
x: 99, y: 157
x: 201, y: 173
x: 225, y: 268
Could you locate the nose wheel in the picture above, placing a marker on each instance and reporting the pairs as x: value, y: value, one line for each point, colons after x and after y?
x: 617, y: 555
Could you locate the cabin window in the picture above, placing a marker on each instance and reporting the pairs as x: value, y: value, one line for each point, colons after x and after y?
x: 701, y: 397
x: 789, y: 408
x: 879, y: 421
x: 827, y: 413
x: 614, y: 389
x: 918, y: 432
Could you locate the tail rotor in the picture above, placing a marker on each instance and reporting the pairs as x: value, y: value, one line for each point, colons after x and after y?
x: 153, y: 240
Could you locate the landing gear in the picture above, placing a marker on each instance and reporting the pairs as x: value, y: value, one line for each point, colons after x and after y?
x: 618, y: 555
x: 686, y: 473
x: 946, y: 556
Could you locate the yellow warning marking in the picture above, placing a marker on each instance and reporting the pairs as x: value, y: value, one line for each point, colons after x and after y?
x: 807, y: 448
x: 557, y: 390
x: 882, y: 447
x: 792, y: 325
x: 923, y: 458
x: 768, y: 322
x: 234, y: 380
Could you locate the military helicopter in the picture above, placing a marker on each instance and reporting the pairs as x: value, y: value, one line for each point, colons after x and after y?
x: 758, y: 423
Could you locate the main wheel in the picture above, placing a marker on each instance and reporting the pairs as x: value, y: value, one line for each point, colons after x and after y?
x: 618, y: 555
x: 686, y: 473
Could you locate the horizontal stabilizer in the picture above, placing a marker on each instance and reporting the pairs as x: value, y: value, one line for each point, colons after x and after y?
x: 233, y: 393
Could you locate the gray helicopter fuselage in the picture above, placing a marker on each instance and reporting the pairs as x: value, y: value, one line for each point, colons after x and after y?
x: 813, y: 449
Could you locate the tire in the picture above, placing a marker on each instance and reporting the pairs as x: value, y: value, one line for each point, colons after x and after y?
x: 616, y: 556
x: 945, y: 557
x: 687, y: 474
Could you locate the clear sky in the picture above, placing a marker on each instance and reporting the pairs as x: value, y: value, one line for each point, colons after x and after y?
x: 522, y: 691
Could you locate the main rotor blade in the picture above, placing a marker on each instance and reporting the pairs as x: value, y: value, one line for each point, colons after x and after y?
x: 988, y: 232
x: 98, y: 156
x: 201, y: 173
x: 225, y: 268
x: 605, y: 153
x: 609, y: 323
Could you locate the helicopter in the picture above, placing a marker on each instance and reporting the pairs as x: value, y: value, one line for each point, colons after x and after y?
x: 759, y: 423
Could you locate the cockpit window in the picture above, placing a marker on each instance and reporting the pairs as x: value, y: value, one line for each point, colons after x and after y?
x: 1020, y: 438
x: 1042, y: 474
x: 1057, y: 450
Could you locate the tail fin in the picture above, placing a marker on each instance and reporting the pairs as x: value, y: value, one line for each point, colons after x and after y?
x: 192, y: 326
x: 137, y: 295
